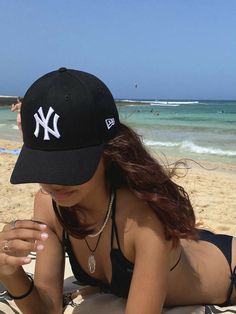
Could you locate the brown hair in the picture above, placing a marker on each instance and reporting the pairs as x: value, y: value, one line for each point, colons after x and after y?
x: 130, y: 164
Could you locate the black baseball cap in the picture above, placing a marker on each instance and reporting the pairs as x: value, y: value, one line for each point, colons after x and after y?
x: 67, y: 117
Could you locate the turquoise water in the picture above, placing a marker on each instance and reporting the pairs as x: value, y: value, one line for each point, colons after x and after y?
x: 8, y: 126
x: 202, y: 130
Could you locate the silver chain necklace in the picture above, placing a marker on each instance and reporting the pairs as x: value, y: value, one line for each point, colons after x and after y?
x: 91, y: 258
x: 93, y: 235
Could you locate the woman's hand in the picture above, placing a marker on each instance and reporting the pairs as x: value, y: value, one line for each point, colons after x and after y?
x: 17, y: 240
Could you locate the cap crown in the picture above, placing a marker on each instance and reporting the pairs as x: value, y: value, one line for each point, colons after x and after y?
x: 68, y: 109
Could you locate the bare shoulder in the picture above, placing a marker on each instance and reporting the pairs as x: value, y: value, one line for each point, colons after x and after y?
x: 42, y: 198
x: 43, y: 210
x: 145, y: 243
x: 137, y: 212
x: 139, y: 222
x: 42, y: 203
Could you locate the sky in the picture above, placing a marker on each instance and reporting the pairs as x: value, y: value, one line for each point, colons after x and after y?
x: 141, y: 49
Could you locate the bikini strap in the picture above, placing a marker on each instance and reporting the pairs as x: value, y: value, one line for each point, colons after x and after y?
x: 176, y: 264
x: 232, y: 275
x: 231, y: 287
x: 114, y: 230
x: 64, y: 233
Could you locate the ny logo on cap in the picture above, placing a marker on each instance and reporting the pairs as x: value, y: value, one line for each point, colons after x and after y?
x: 43, y: 121
x: 110, y: 122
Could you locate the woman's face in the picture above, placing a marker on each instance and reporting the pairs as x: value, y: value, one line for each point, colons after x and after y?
x: 77, y: 194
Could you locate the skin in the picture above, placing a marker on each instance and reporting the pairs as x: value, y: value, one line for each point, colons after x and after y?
x: 16, y: 107
x: 153, y: 285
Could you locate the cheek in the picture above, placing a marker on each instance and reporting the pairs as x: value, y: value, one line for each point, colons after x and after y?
x: 86, y: 188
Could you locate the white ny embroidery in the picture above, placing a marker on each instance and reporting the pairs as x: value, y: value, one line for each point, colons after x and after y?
x: 43, y: 121
x: 110, y: 122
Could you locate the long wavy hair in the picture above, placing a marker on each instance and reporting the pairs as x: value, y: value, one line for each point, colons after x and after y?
x: 128, y: 163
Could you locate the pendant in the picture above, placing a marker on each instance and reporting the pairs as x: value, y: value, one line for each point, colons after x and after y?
x: 91, y: 263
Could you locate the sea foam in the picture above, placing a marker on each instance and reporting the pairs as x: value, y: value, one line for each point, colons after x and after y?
x: 173, y: 103
x: 14, y: 127
x: 156, y: 143
x: 192, y: 147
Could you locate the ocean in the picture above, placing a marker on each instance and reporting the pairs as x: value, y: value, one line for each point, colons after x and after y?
x: 200, y: 130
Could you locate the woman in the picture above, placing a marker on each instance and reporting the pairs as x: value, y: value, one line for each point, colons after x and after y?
x: 16, y: 108
x: 126, y: 226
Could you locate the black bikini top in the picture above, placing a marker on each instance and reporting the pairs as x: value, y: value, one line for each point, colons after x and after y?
x: 122, y: 268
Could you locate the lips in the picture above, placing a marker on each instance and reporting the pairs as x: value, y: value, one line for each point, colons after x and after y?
x: 60, y: 195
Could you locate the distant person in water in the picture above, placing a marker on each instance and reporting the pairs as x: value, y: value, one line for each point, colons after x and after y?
x: 16, y: 107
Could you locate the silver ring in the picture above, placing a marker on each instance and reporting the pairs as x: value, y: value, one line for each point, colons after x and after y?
x: 13, y: 224
x: 5, y: 247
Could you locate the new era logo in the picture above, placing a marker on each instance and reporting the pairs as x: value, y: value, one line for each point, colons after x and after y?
x: 43, y: 121
x: 110, y: 122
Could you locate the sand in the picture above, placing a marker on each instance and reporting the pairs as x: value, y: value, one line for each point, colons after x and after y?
x: 212, y: 192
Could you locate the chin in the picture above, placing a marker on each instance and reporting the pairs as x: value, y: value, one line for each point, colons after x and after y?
x: 65, y: 203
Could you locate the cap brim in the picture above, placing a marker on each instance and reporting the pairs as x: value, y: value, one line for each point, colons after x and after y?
x: 68, y: 167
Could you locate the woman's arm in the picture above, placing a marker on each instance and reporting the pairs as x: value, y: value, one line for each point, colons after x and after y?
x: 46, y: 296
x: 49, y: 270
x: 152, y: 263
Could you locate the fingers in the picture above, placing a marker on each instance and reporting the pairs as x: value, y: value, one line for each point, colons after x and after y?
x: 20, y: 237
x: 21, y: 248
x: 25, y: 224
x: 25, y: 230
x: 26, y: 234
x: 9, y: 260
x: 30, y: 224
x: 17, y: 240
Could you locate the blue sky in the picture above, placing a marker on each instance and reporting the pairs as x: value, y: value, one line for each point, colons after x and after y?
x: 172, y: 49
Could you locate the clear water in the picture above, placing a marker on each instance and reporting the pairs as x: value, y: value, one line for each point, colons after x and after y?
x: 201, y: 130
x: 8, y: 126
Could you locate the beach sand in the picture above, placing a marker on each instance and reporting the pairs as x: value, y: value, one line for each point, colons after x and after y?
x: 212, y: 193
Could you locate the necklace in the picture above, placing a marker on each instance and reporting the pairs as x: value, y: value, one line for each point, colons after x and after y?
x: 93, y: 235
x: 91, y: 258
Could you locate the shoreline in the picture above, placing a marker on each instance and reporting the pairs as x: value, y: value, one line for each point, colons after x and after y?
x: 6, y: 101
x: 191, y: 163
x: 212, y: 192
